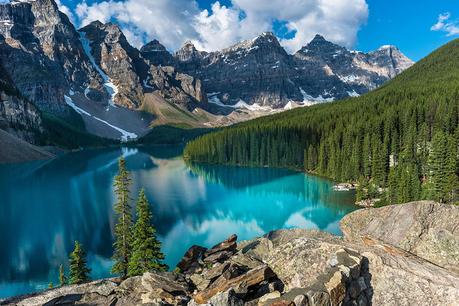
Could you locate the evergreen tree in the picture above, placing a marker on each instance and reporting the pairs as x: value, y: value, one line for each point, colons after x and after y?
x: 62, y: 278
x: 122, y: 244
x: 79, y: 272
x: 146, y: 248
x: 439, y: 166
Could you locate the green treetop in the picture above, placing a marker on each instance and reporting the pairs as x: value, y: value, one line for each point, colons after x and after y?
x: 79, y: 272
x: 146, y: 248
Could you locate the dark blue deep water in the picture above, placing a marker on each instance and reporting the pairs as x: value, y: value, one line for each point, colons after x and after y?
x: 45, y: 206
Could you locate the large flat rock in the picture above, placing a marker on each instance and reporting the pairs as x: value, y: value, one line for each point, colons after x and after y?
x: 428, y: 229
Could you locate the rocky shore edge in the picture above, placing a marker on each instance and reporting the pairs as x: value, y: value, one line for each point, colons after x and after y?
x: 395, y: 255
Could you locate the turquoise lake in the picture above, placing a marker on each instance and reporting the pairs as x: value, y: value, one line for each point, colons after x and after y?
x: 45, y: 206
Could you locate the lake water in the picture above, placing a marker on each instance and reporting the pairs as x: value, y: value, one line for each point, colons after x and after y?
x: 45, y: 206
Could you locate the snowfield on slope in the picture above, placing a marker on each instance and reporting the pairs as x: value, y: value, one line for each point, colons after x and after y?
x: 125, y: 135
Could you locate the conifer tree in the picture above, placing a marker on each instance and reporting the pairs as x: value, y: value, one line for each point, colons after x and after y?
x: 438, y: 163
x: 62, y: 278
x: 122, y: 244
x: 146, y: 248
x: 79, y: 272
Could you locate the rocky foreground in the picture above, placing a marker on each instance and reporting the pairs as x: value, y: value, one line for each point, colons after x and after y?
x: 396, y: 255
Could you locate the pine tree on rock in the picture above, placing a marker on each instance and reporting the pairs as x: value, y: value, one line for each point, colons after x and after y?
x: 146, y: 248
x: 79, y: 272
x: 122, y: 244
x: 62, y: 278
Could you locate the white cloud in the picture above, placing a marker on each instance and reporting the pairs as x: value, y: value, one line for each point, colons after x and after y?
x: 65, y: 9
x: 174, y: 21
x: 337, y: 20
x: 168, y: 21
x: 446, y: 25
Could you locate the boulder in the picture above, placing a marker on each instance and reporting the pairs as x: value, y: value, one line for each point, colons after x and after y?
x: 428, y: 229
x: 102, y: 289
x: 397, y: 277
x: 191, y: 258
x: 240, y: 283
x: 229, y: 245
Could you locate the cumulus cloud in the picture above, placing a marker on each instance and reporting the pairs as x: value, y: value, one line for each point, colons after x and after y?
x: 446, y: 25
x: 337, y: 20
x: 141, y: 20
x: 174, y: 21
x: 66, y: 10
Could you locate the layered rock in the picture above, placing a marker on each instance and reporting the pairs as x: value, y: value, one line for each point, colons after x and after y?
x: 18, y: 116
x: 426, y: 229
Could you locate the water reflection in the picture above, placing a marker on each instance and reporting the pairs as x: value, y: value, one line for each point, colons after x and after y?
x: 45, y: 206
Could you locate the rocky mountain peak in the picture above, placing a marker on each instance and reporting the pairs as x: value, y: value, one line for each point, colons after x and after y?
x: 153, y: 46
x: 391, y: 57
x: 157, y: 54
x: 188, y: 52
x: 320, y: 46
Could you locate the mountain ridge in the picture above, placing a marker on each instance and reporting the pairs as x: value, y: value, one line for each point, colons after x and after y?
x: 96, y: 74
x: 385, y: 140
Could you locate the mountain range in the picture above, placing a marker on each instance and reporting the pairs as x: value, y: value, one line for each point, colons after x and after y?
x: 93, y: 80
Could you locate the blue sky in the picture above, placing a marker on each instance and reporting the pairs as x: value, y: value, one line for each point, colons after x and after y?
x: 359, y: 24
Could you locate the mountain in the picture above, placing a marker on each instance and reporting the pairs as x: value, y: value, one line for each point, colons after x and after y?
x: 42, y: 54
x: 260, y: 72
x: 400, y: 139
x: 93, y: 81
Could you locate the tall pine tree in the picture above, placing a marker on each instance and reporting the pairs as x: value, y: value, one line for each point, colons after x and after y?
x: 122, y: 244
x: 62, y: 278
x: 146, y: 248
x: 79, y: 272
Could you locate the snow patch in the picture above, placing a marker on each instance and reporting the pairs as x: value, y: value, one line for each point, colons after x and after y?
x: 125, y: 134
x: 254, y: 107
x: 353, y: 93
x: 79, y: 110
x: 86, y: 92
x: 349, y: 78
x: 145, y: 83
x: 290, y: 105
x: 310, y: 100
x: 111, y: 88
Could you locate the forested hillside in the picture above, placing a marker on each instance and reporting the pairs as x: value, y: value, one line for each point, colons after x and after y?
x: 399, y: 142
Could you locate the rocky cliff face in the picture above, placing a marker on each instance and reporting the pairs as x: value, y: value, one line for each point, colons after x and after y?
x: 133, y: 73
x: 259, y: 71
x: 296, y: 268
x: 17, y: 115
x: 61, y: 70
x: 42, y: 53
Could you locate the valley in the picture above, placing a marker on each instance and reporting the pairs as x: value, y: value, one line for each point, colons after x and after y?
x: 228, y: 153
